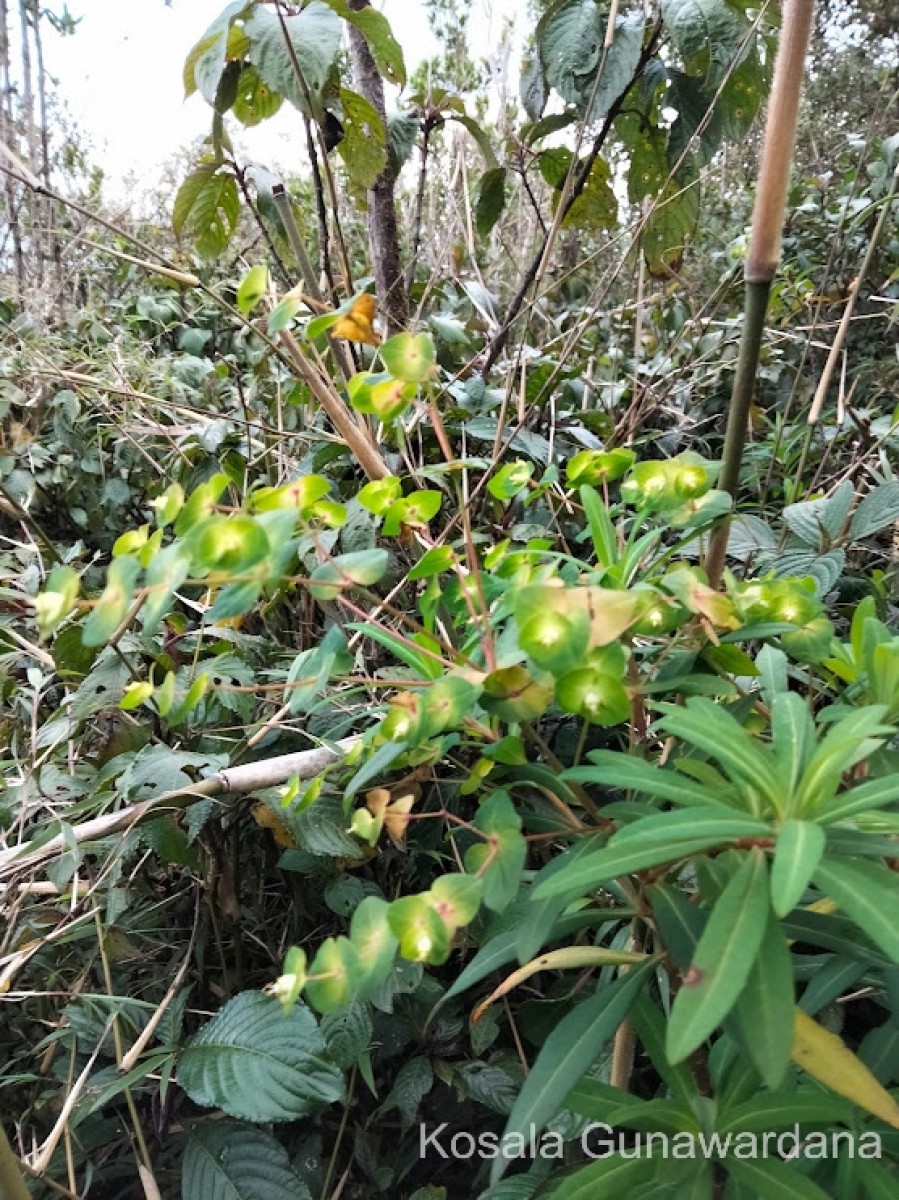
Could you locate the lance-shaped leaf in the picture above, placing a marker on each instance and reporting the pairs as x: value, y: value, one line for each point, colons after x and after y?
x: 773, y: 1179
x: 568, y: 1053
x: 828, y: 1059
x: 649, y: 843
x: 723, y: 958
x: 765, y: 1007
x: 868, y: 893
x: 800, y: 845
x: 615, y: 769
x: 567, y: 959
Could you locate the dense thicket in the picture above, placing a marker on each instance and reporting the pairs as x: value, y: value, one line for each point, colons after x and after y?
x: 376, y: 749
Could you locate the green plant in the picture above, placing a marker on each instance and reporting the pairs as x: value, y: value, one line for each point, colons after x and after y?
x: 380, y: 765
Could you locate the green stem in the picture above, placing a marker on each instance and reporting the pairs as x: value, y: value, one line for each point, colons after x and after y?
x: 12, y: 1182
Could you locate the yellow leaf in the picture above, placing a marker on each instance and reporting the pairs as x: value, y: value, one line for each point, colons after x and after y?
x: 828, y: 1059
x: 356, y: 325
x: 396, y: 818
x: 567, y: 958
x: 270, y: 820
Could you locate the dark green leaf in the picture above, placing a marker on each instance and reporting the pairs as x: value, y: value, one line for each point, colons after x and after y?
x: 491, y: 199
x: 363, y: 147
x: 568, y: 1053
x: 226, y: 1161
x: 773, y: 1179
x: 723, y: 958
x: 764, y: 1011
x: 800, y: 845
x: 868, y: 893
x: 207, y: 206
x: 258, y: 1063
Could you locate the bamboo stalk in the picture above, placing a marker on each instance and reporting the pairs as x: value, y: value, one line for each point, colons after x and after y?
x: 764, y: 247
x: 249, y: 777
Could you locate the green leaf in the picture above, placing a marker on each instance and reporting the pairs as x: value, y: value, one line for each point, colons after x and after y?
x: 597, y: 205
x: 227, y: 1161
x: 206, y: 61
x: 375, y: 28
x: 680, y: 922
x: 615, y: 769
x: 707, y: 33
x: 723, y: 958
x: 491, y: 199
x: 374, y: 766
x: 285, y: 311
x: 255, y: 101
x: 620, y: 64
x: 649, y: 169
x: 698, y: 127
x: 878, y: 510
x: 480, y: 137
x: 670, y: 224
x: 608, y: 1179
x: 569, y: 1052
x: 781, y: 1110
x: 503, y: 949
x: 500, y: 859
x: 878, y: 1182
x: 257, y: 1063
x: 773, y: 1179
x: 360, y: 568
x: 433, y: 562
x: 253, y: 287
x: 424, y: 664
x: 569, y: 39
x: 413, y: 1081
x: 792, y: 738
x: 207, y: 206
x: 57, y: 599
x: 532, y: 89
x: 847, y: 742
x: 764, y: 1009
x: 696, y: 822
x: 868, y: 893
x: 602, y: 866
x: 403, y: 129
x: 374, y: 942
x: 705, y: 725
x: 410, y: 357
x: 602, y: 531
x: 363, y: 147
x: 800, y: 845
x: 111, y: 608
x: 873, y: 793
x: 314, y: 35
x: 650, y: 1024
x: 310, y: 671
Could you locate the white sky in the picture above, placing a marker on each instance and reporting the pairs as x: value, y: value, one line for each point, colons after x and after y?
x: 121, y: 77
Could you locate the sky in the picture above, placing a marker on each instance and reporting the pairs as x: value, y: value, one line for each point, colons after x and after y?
x: 121, y: 77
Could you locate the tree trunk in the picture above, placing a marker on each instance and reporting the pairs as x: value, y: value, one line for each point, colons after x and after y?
x: 383, y: 232
x: 9, y: 136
